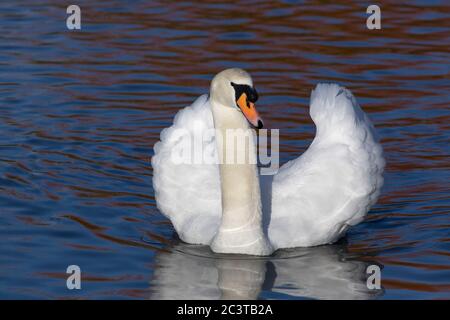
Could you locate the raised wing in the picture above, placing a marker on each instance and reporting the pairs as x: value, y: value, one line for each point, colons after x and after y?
x: 188, y: 192
x: 333, y: 184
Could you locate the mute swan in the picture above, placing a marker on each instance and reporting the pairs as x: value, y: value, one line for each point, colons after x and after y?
x: 313, y: 199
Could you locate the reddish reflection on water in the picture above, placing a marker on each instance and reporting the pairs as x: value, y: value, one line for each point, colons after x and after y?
x: 80, y: 112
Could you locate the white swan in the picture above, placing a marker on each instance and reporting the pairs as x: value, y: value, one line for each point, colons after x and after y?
x: 312, y: 200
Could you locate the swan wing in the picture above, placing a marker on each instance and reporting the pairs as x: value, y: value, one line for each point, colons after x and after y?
x: 186, y: 176
x: 317, y: 196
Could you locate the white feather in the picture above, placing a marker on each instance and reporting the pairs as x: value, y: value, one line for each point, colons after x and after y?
x: 188, y: 194
x: 333, y: 184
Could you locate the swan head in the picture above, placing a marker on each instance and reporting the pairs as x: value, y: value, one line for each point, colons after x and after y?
x: 233, y: 88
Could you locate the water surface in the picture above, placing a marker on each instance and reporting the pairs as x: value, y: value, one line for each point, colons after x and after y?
x: 81, y: 110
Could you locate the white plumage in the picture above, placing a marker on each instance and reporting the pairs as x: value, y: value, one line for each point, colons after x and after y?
x: 188, y: 194
x: 317, y: 196
x: 312, y: 200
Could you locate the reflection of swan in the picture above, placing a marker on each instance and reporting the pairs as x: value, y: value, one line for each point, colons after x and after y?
x: 313, y: 199
x: 323, y: 273
x: 193, y: 272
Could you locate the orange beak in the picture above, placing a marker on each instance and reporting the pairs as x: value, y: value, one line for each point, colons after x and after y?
x: 249, y: 111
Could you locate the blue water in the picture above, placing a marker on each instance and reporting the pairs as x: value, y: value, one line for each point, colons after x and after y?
x: 81, y: 110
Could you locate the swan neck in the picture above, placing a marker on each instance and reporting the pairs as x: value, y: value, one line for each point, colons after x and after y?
x: 241, y: 224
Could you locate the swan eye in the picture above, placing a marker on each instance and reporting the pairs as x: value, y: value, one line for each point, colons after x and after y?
x: 250, y: 92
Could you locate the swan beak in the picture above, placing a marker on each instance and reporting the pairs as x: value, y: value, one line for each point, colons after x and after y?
x: 249, y: 111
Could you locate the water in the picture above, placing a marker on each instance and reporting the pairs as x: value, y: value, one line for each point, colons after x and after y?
x: 81, y: 110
